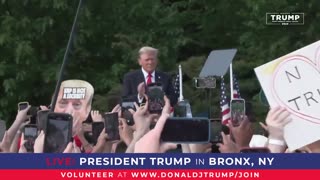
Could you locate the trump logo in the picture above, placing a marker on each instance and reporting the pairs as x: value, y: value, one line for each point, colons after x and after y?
x: 284, y: 18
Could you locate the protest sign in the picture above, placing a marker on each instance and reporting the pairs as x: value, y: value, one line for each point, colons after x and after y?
x: 292, y: 81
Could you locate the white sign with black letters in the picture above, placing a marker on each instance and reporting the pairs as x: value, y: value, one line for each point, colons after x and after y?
x: 74, y: 93
x: 293, y: 81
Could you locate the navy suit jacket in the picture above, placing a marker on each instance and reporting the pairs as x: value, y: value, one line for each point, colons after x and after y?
x: 132, y: 79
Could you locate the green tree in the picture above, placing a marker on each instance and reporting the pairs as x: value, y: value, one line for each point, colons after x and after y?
x: 34, y: 34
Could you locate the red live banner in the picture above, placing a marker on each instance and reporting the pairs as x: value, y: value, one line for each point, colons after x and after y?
x: 159, y: 174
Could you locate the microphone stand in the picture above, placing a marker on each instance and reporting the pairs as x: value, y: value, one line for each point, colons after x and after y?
x: 209, y: 96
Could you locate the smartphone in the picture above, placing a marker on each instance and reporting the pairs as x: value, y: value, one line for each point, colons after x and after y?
x: 208, y: 82
x: 87, y: 128
x: 238, y: 111
x: 216, y: 129
x: 58, y: 132
x: 215, y: 134
x: 128, y: 116
x: 186, y: 130
x: 111, y: 126
x: 33, y: 111
x: 255, y: 150
x: 22, y: 105
x: 30, y: 135
x: 89, y: 119
x: 155, y: 98
x: 42, y: 119
x: 126, y: 104
x: 97, y: 128
x: 3, y: 128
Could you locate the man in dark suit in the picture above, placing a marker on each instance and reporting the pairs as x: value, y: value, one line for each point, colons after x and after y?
x: 134, y: 82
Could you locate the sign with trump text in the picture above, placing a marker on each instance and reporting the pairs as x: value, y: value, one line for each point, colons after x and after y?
x: 293, y: 82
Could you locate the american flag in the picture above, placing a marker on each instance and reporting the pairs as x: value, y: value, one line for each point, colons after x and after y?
x: 176, y: 85
x: 224, y: 104
x: 236, y: 88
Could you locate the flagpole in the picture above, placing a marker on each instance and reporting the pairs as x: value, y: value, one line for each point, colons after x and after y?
x: 231, y: 82
x: 180, y: 83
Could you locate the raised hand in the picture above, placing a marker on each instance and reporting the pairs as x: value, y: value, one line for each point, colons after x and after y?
x: 96, y: 116
x: 276, y: 120
x: 227, y: 145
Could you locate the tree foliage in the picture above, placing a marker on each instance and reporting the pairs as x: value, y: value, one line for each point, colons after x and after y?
x: 34, y: 34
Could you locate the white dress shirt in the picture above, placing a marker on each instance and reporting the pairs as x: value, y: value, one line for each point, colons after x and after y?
x: 145, y: 75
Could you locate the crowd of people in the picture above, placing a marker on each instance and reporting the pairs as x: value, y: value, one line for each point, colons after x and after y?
x: 143, y: 135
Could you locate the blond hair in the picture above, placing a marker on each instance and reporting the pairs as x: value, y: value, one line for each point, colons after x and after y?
x: 79, y: 83
x: 148, y: 49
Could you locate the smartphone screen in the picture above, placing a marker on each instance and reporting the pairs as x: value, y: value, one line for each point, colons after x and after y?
x: 238, y: 111
x: 58, y: 132
x: 216, y: 129
x: 97, y: 128
x: 255, y: 150
x: 205, y: 82
x: 128, y: 116
x: 127, y: 104
x: 87, y: 130
x: 42, y: 119
x: 30, y: 135
x: 215, y: 134
x: 23, y: 105
x: 3, y: 128
x: 155, y: 98
x: 112, y: 126
x: 182, y: 130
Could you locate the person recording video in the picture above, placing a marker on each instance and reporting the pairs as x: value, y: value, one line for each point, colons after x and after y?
x: 134, y: 83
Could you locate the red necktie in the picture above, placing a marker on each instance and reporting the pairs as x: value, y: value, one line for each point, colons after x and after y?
x: 149, y: 79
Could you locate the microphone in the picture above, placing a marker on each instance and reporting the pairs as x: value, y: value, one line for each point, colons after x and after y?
x: 183, y: 108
